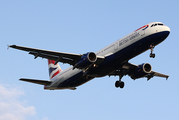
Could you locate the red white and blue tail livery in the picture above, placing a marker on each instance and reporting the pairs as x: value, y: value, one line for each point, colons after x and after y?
x: 113, y: 60
x: 54, y: 69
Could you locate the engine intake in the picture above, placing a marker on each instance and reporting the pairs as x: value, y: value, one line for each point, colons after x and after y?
x: 86, y: 60
x: 141, y: 71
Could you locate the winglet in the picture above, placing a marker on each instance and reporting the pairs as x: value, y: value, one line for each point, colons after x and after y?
x: 13, y: 46
x: 8, y: 47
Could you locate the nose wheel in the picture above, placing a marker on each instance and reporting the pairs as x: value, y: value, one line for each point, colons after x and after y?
x: 152, y: 55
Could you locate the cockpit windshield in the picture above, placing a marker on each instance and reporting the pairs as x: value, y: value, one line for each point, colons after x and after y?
x: 161, y: 24
x: 156, y: 24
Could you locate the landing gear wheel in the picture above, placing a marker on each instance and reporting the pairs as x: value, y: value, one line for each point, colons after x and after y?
x: 119, y: 84
x: 152, y: 55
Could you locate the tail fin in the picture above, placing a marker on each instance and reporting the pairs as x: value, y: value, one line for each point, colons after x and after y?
x: 54, y: 70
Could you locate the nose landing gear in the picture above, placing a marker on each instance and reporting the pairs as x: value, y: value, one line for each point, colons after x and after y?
x: 152, y: 55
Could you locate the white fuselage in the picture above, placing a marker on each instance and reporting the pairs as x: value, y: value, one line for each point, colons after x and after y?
x: 110, y: 50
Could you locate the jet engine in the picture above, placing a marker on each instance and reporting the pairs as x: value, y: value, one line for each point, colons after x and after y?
x: 86, y: 60
x: 141, y: 71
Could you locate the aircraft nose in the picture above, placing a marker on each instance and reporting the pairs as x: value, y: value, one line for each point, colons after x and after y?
x: 167, y: 29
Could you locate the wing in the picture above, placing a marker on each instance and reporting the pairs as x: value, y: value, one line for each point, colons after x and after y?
x: 69, y: 58
x: 127, y: 68
x: 52, y: 55
x: 41, y: 82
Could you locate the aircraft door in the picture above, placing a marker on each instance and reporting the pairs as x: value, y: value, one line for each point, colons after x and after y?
x: 142, y: 32
x: 116, y: 46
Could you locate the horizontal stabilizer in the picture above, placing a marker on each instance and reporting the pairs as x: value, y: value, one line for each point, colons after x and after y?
x: 41, y: 82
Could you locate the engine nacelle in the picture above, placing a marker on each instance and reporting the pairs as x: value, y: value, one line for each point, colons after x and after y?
x: 141, y: 71
x: 86, y: 60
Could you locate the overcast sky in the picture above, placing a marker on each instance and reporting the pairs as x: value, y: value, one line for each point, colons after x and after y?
x: 79, y: 27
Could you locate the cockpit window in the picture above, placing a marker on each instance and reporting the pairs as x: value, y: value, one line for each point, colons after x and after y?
x: 160, y: 24
x: 153, y: 25
x: 157, y: 24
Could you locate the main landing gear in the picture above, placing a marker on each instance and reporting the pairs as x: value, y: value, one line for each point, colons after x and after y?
x: 120, y: 83
x: 152, y: 55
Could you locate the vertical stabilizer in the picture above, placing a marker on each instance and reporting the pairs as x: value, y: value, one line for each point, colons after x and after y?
x: 54, y: 70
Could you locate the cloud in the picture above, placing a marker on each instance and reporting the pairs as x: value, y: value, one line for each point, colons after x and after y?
x: 45, y: 118
x: 6, y: 92
x: 11, y: 108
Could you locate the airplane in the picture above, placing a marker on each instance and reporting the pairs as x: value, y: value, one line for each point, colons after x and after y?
x: 112, y: 60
